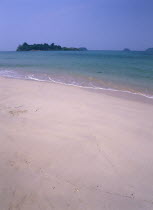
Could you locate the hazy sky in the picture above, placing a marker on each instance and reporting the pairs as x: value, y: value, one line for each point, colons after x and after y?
x: 95, y: 24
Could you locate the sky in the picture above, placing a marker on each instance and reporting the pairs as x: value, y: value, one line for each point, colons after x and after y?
x: 95, y: 24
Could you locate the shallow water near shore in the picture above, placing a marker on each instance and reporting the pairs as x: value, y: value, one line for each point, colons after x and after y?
x: 129, y: 72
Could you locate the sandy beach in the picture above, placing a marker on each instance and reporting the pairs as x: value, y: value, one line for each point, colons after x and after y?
x: 63, y: 147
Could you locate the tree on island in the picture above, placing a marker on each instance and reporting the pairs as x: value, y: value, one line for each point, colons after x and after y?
x: 47, y: 47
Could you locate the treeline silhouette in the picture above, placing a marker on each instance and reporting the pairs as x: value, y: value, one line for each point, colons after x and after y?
x: 46, y: 47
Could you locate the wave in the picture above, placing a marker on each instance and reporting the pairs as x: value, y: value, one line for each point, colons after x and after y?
x: 93, y: 87
x: 36, y: 79
x: 13, y: 74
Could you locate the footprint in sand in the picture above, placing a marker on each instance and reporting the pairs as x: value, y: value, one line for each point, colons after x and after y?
x: 17, y: 112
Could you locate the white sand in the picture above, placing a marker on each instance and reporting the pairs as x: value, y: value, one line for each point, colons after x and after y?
x: 65, y: 148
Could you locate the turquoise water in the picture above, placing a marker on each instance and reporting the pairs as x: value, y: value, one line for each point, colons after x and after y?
x: 112, y: 70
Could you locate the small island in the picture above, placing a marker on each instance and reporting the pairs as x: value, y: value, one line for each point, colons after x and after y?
x: 149, y: 50
x: 47, y: 47
x: 126, y: 50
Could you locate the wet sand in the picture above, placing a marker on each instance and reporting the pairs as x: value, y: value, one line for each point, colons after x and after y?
x: 64, y: 147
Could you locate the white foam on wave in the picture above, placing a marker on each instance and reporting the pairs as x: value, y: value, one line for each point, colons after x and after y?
x: 6, y: 72
x: 100, y: 88
x: 11, y: 74
x: 36, y: 79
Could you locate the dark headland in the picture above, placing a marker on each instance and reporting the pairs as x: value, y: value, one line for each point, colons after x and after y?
x: 47, y: 47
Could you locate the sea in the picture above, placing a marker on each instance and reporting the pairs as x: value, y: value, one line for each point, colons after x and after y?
x: 127, y: 72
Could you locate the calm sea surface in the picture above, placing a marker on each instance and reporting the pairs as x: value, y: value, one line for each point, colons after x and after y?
x: 113, y: 70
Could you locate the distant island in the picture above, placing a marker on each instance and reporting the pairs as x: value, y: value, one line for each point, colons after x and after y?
x: 149, y: 50
x: 126, y: 50
x: 47, y: 47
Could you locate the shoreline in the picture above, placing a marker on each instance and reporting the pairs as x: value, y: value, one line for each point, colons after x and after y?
x: 127, y: 95
x: 63, y: 147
